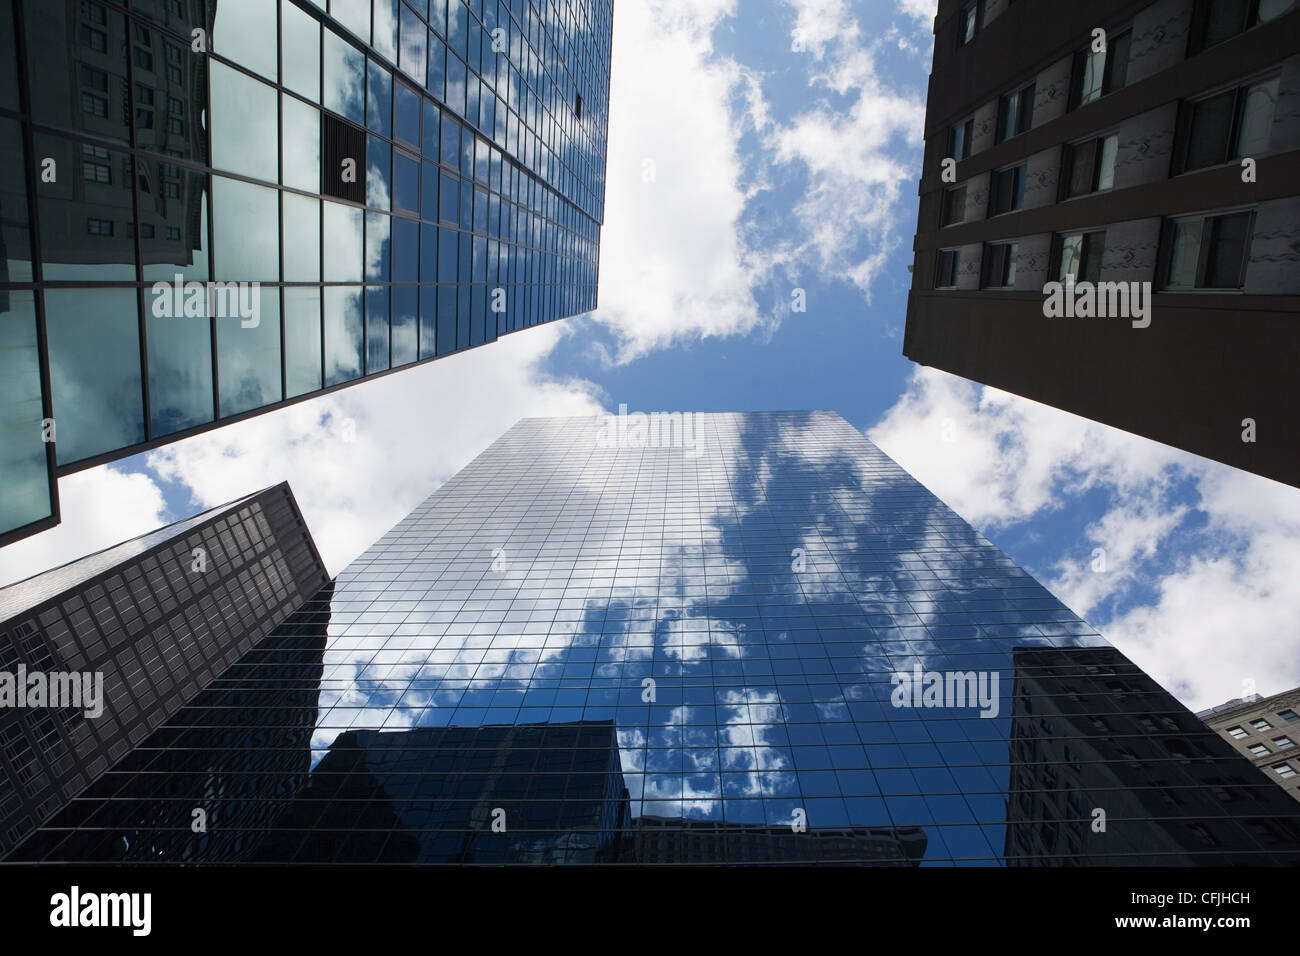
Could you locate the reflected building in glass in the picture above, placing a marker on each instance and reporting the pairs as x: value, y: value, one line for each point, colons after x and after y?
x: 213, y: 208
x: 721, y: 638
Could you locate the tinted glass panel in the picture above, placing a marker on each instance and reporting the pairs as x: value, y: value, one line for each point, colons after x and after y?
x: 377, y: 355
x: 248, y: 353
x: 244, y: 133
x: 180, y: 358
x: 94, y: 348
x: 247, y: 231
x: 23, y: 472
x: 302, y: 340
x: 343, y: 330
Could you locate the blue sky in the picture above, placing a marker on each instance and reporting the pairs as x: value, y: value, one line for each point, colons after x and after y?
x: 739, y: 171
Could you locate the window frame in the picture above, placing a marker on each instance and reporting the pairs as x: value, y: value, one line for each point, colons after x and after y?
x: 1200, y: 281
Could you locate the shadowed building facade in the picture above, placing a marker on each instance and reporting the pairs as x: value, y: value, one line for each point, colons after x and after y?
x: 1145, y: 152
x: 157, y: 618
x: 588, y: 646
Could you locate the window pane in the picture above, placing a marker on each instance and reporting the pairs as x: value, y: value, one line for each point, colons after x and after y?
x: 94, y: 349
x: 1094, y: 245
x: 301, y: 144
x: 179, y: 243
x: 245, y: 31
x: 407, y: 115
x: 404, y: 324
x: 16, y: 250
x: 23, y: 471
x: 180, y: 359
x: 244, y: 134
x: 1009, y: 273
x: 376, y: 329
x: 343, y: 327
x: 386, y: 28
x: 300, y: 51
x: 1071, y: 257
x: 1092, y: 73
x: 1256, y: 119
x: 1211, y: 126
x: 302, y: 341
x: 378, y: 247
x: 353, y: 14
x: 411, y: 56
x: 75, y: 245
x: 1272, y: 9
x: 379, y: 100
x: 345, y: 78
x: 301, y: 238
x: 344, y: 244
x: 1224, y: 20
x: 1230, y: 237
x: 406, y: 250
x: 248, y: 356
x: 406, y: 182
x: 432, y: 133
x: 428, y: 321
x: 1109, y: 149
x: 379, y: 173
x: 246, y: 246
x: 1184, y: 254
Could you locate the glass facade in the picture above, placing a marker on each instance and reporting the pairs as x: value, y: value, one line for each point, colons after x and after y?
x: 156, y: 618
x: 212, y: 207
x: 722, y: 638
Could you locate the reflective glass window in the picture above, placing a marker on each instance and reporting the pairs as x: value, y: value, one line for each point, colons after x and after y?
x: 246, y: 246
x: 94, y: 352
x: 302, y: 340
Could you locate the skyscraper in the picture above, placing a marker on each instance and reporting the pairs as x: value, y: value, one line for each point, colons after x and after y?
x: 1109, y: 221
x: 213, y: 208
x: 744, y: 638
x: 134, y: 632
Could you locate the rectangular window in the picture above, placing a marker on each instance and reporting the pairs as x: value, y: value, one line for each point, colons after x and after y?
x: 93, y: 105
x: 1006, y: 190
x: 1282, y: 743
x: 172, y: 190
x: 96, y: 166
x: 1259, y: 750
x: 1000, y: 265
x: 143, y: 94
x: 1090, y: 166
x: 99, y: 227
x: 1079, y: 256
x: 954, y: 205
x: 1098, y: 72
x: 959, y: 141
x: 96, y: 40
x: 1227, y: 126
x: 1208, y: 252
x: 945, y: 275
x: 1237, y: 732
x: 1015, y: 113
x: 143, y: 59
x: 968, y: 23
x: 94, y: 79
x: 1290, y: 716
x: 1214, y: 21
x: 1284, y: 770
x: 173, y: 232
x: 1261, y: 725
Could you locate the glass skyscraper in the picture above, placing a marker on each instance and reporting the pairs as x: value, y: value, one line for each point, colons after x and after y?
x: 721, y: 638
x: 212, y: 208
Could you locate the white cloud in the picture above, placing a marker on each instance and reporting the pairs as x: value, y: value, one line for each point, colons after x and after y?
x: 674, y: 265
x: 1226, y: 598
x: 851, y: 215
